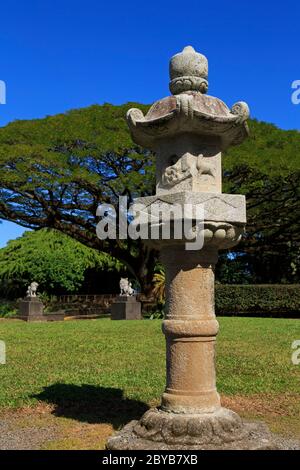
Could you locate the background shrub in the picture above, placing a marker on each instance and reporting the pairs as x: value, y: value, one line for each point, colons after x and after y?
x: 8, y: 308
x: 258, y: 300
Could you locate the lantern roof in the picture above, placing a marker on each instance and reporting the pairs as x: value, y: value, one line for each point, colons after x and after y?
x: 189, y: 109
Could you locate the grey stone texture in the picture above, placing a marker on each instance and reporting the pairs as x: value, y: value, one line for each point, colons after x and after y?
x: 31, y: 309
x: 188, y: 132
x: 223, y: 430
x: 126, y: 308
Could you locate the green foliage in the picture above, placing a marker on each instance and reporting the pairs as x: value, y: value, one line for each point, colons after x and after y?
x: 57, y: 262
x: 158, y: 312
x: 55, y: 171
x: 266, y: 169
x: 258, y: 300
x: 159, y: 283
x: 272, y: 241
x: 251, y: 300
x: 233, y: 270
x: 272, y: 151
x: 8, y: 308
x: 270, y: 300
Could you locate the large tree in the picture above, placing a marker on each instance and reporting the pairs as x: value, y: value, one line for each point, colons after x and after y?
x: 266, y: 168
x: 60, y: 265
x: 55, y: 171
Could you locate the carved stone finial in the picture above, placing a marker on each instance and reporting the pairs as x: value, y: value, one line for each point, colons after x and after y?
x: 188, y: 72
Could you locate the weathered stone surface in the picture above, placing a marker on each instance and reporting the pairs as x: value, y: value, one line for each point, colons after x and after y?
x: 126, y: 308
x: 31, y: 309
x: 190, y: 327
x: 126, y: 288
x: 223, y: 430
x: 221, y: 224
x: 217, y: 207
x: 188, y: 71
x: 193, y: 113
x: 188, y: 132
x: 184, y: 163
x: 32, y: 289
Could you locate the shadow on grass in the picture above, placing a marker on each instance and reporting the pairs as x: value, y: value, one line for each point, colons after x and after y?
x: 90, y: 404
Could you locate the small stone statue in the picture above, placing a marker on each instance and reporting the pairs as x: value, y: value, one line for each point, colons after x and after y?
x: 131, y: 291
x: 31, y: 291
x: 31, y: 307
x: 126, y: 287
x: 126, y: 306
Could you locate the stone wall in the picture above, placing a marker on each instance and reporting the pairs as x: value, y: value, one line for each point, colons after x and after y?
x: 93, y: 305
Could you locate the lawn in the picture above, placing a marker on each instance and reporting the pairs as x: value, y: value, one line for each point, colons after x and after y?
x: 103, y: 371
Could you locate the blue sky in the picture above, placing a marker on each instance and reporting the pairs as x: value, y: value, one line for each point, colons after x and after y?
x: 57, y: 55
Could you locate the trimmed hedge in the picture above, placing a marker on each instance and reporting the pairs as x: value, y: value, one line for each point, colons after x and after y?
x: 267, y: 300
x: 257, y: 300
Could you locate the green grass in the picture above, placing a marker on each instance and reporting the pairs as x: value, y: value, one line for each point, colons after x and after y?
x: 45, y: 359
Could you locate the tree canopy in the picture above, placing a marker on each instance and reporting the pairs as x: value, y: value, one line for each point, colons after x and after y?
x: 57, y: 262
x: 55, y: 171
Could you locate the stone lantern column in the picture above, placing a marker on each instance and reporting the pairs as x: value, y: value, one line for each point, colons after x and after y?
x: 190, y: 328
x: 188, y: 132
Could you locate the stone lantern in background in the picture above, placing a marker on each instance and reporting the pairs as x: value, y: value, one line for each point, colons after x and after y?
x: 188, y: 131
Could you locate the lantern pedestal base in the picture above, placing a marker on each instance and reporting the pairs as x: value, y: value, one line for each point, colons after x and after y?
x: 220, y: 430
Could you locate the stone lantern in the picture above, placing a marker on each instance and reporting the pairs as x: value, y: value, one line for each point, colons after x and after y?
x: 188, y: 131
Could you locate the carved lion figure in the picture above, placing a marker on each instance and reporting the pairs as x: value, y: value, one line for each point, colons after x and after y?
x: 126, y: 287
x: 31, y: 291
